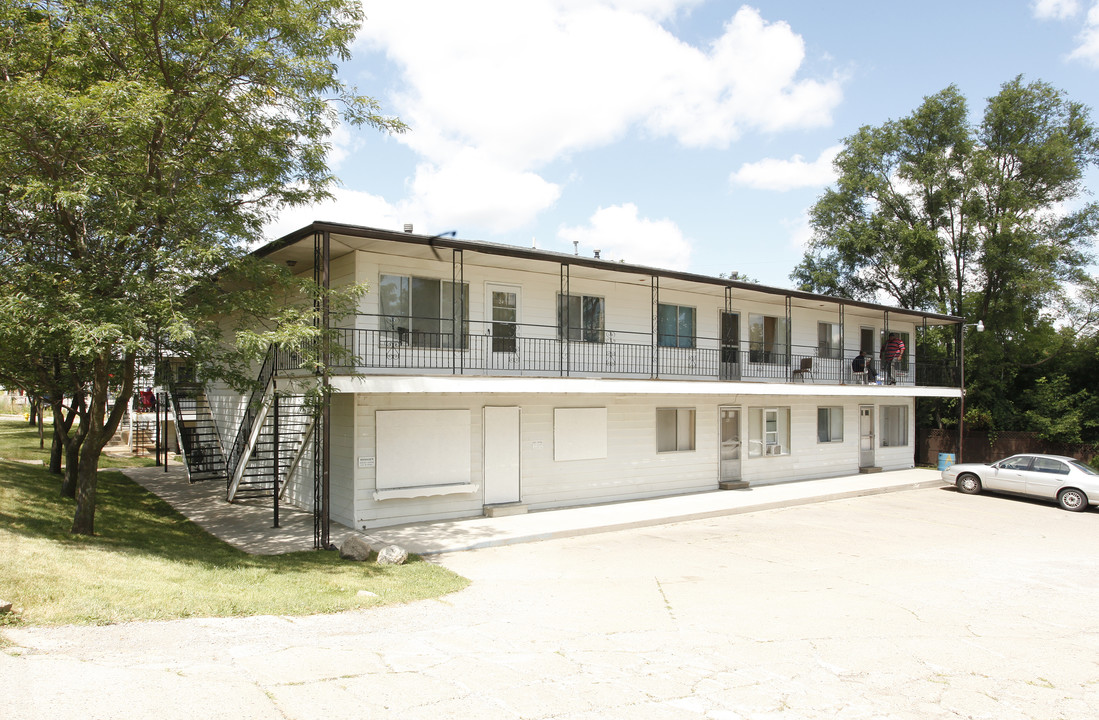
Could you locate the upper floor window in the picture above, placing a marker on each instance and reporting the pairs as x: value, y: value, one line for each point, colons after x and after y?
x: 421, y: 311
x: 767, y: 339
x: 675, y: 326
x: 828, y: 340
x: 902, y: 363
x: 582, y: 315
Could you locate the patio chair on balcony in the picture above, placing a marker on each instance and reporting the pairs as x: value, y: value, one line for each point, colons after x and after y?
x: 805, y: 369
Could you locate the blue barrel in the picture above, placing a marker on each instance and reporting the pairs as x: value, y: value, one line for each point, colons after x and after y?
x: 945, y: 460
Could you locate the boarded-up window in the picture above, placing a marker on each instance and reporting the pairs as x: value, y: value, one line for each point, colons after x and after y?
x: 675, y: 429
x: 418, y: 448
x: 579, y: 433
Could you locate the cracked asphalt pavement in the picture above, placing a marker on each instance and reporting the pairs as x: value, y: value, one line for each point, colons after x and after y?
x: 918, y: 604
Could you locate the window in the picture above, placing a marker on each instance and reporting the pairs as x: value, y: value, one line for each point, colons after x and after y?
x: 828, y: 340
x: 1049, y: 465
x: 1017, y: 462
x: 675, y: 326
x: 579, y: 433
x: 421, y: 311
x: 583, y: 315
x: 767, y: 339
x: 902, y: 364
x: 768, y: 431
x: 675, y: 429
x: 830, y: 424
x: 894, y: 426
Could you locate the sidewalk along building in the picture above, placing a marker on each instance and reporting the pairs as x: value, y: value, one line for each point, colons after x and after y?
x: 482, y: 378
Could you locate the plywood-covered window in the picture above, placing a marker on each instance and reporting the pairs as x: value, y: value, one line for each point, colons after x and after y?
x: 675, y: 429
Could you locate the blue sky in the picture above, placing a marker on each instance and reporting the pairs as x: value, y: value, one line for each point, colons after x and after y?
x: 683, y: 134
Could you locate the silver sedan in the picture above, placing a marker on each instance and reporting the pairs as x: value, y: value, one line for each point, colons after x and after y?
x: 1073, y: 484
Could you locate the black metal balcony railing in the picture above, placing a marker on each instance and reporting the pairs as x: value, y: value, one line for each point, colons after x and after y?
x: 620, y: 355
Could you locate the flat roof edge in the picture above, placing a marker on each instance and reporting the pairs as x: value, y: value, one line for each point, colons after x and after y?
x: 517, y: 251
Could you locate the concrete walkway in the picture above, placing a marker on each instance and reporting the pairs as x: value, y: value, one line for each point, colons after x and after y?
x: 248, y: 524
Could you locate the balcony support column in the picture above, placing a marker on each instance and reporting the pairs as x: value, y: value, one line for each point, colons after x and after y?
x: 564, y: 302
x: 457, y: 312
x: 843, y: 347
x: 654, y: 363
x: 961, y: 397
x: 789, y: 340
x: 322, y: 256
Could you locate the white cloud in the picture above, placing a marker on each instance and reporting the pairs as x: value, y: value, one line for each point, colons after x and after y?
x: 1055, y: 9
x: 782, y: 175
x: 1087, y: 47
x: 800, y: 232
x: 498, y: 89
x: 619, y: 234
x: 1088, y: 39
x: 347, y: 206
x: 473, y: 190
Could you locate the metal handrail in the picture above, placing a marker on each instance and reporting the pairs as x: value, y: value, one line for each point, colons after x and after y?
x: 537, y: 351
x: 251, y: 412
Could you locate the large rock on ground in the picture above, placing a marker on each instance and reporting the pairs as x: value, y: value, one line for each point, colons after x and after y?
x: 392, y: 555
x: 355, y: 548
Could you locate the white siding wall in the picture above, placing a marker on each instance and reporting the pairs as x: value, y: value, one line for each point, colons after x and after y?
x: 628, y: 302
x: 633, y: 469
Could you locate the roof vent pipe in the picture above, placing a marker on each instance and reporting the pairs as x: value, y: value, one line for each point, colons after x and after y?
x: 408, y: 227
x: 575, y: 247
x: 596, y: 254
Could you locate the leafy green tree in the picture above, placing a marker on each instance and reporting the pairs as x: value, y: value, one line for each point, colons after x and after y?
x: 935, y: 212
x: 143, y: 144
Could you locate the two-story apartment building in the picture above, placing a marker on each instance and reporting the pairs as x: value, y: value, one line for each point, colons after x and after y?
x: 484, y: 376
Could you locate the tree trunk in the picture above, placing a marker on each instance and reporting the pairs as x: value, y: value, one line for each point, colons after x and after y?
x: 57, y: 447
x: 70, y: 442
x: 72, y: 464
x: 100, y: 429
x: 87, y: 475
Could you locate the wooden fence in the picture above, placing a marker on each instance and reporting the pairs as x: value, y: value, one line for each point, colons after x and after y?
x: 982, y: 446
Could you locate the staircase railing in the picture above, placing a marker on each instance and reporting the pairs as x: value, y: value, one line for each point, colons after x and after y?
x: 201, y: 449
x: 252, y: 412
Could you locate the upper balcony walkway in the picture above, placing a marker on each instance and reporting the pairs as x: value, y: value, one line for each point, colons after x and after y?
x: 515, y: 350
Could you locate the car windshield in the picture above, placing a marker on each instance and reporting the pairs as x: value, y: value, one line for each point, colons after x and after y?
x: 1086, y: 469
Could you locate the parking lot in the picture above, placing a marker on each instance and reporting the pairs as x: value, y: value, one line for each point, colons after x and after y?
x: 918, y: 604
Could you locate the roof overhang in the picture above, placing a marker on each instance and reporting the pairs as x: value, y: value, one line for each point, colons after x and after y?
x: 297, y: 249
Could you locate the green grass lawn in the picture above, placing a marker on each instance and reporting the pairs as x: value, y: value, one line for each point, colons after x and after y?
x: 148, y: 562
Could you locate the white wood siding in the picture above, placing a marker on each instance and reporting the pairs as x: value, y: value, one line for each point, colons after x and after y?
x: 633, y: 469
x: 628, y: 304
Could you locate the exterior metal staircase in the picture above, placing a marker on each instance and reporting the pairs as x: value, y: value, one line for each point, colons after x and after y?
x: 271, y: 440
x: 277, y: 450
x: 197, y: 433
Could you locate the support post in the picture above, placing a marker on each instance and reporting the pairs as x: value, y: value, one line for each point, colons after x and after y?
x: 961, y: 397
x: 654, y: 342
x: 326, y: 398
x: 564, y: 299
x: 162, y: 402
x: 842, y: 348
x: 789, y: 341
x: 275, y: 453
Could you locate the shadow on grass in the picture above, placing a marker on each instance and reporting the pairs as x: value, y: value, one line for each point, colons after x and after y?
x: 130, y: 519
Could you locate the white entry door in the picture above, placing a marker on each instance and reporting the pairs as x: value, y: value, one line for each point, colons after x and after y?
x: 866, y: 436
x: 501, y: 456
x: 730, y: 443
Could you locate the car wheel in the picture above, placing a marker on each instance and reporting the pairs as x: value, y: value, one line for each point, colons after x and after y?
x: 1072, y: 499
x: 969, y: 484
